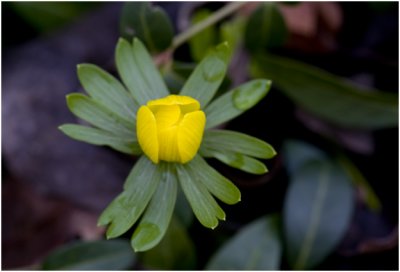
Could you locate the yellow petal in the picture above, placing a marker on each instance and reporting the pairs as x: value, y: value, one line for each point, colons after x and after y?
x: 146, y: 129
x: 186, y: 103
x: 190, y: 134
x: 166, y: 115
x: 167, y: 138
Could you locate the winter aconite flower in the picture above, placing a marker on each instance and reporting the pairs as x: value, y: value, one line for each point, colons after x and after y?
x: 170, y: 128
x: 175, y: 133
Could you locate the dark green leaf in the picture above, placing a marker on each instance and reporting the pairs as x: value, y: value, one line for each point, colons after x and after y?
x: 237, y: 160
x: 183, y: 211
x: 47, y: 16
x: 101, y: 137
x: 97, y: 255
x: 205, y: 80
x: 148, y: 23
x: 107, y: 90
x: 203, y: 204
x: 257, y: 246
x: 96, y: 114
x: 317, y: 212
x: 236, y: 101
x: 217, y: 184
x: 202, y: 42
x: 265, y: 28
x: 226, y: 140
x: 126, y: 208
x: 138, y: 72
x: 155, y: 221
x: 175, y: 251
x: 328, y: 96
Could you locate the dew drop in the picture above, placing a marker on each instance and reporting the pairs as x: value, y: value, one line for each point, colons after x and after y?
x: 213, y: 69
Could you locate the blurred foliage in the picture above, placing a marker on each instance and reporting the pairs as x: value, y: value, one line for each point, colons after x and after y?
x: 48, y: 16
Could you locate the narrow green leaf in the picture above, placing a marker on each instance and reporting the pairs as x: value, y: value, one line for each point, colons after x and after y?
x: 328, y: 96
x: 226, y: 140
x: 202, y: 42
x: 183, y: 211
x: 107, y: 90
x: 176, y: 250
x: 101, y: 137
x: 236, y: 101
x: 203, y: 204
x: 265, y: 28
x: 217, y: 184
x: 296, y: 154
x: 237, y: 160
x: 91, y: 111
x: 205, y: 80
x: 126, y: 208
x: 148, y: 23
x: 138, y: 72
x: 232, y: 31
x: 317, y: 212
x: 257, y: 246
x: 95, y: 255
x: 155, y: 221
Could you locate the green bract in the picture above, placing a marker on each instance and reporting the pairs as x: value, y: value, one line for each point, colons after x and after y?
x: 150, y: 191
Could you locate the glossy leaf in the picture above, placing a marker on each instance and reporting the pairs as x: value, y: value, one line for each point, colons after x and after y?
x: 91, y: 111
x: 202, y: 42
x: 226, y: 140
x: 205, y: 80
x: 217, y: 184
x: 175, y: 251
x: 107, y: 90
x: 148, y: 23
x: 237, y: 160
x: 138, y: 72
x: 317, y: 212
x: 155, y: 221
x: 328, y: 96
x: 265, y: 28
x: 101, y: 137
x: 96, y: 255
x: 236, y: 101
x: 126, y: 208
x: 203, y: 204
x: 257, y: 246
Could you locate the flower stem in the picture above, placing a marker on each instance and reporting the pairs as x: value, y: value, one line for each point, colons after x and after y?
x: 215, y: 17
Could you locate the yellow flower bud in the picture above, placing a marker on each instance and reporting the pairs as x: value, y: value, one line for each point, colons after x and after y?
x: 171, y: 128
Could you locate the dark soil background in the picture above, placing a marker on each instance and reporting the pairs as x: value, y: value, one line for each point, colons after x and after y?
x: 53, y: 188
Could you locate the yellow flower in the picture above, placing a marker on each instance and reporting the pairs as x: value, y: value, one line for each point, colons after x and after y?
x: 171, y: 128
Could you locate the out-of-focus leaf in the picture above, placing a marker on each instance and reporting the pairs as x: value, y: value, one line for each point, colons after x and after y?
x: 371, y: 199
x: 202, y: 42
x: 203, y: 204
x: 205, y: 80
x: 126, y: 208
x: 47, y: 16
x: 101, y: 137
x: 232, y: 31
x: 96, y: 114
x: 148, y: 23
x: 265, y: 28
x: 236, y: 101
x: 138, y: 71
x: 226, y: 140
x: 97, y: 255
x: 257, y: 246
x: 175, y: 251
x: 328, y: 96
x: 217, y: 184
x: 296, y: 154
x: 317, y: 212
x: 155, y: 221
x: 107, y: 90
